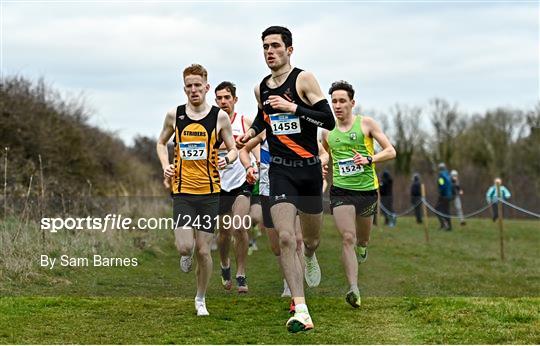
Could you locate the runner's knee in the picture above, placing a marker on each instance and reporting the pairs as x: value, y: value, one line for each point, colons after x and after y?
x: 287, y: 240
x: 184, y: 248
x: 349, y: 239
x: 311, y: 243
x: 203, y: 251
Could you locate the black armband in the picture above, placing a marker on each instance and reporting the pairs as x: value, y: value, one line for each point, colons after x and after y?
x: 321, y: 114
x: 258, y: 123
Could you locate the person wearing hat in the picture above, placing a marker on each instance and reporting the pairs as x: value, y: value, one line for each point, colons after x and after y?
x: 491, y: 197
x: 457, y: 192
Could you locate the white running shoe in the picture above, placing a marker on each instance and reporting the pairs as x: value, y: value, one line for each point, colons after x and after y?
x: 286, y: 290
x: 300, y: 322
x: 200, y: 307
x: 186, y: 262
x: 313, y: 271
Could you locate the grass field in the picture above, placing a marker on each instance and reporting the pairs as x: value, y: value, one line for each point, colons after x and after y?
x: 453, y: 290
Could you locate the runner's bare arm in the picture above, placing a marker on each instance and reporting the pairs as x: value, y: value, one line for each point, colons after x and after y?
x: 388, y: 152
x: 245, y: 158
x: 256, y: 151
x: 323, y: 144
x: 258, y: 124
x: 225, y: 132
x: 249, y: 147
x: 307, y: 86
x: 161, y: 146
x: 324, y: 141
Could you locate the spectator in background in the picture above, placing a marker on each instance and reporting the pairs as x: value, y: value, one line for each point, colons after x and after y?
x: 457, y: 192
x: 445, y: 196
x: 416, y: 197
x: 387, y: 199
x: 491, y: 197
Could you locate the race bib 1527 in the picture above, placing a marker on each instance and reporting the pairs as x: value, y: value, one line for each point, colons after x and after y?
x: 193, y: 151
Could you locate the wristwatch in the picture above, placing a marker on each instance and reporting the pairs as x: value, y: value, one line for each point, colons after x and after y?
x: 369, y: 160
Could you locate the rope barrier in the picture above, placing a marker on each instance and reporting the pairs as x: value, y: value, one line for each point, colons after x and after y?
x: 465, y: 216
x: 520, y: 209
x: 393, y: 214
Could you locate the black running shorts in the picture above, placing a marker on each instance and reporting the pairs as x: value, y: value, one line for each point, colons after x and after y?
x: 265, y: 207
x: 299, y: 185
x: 227, y: 198
x: 365, y: 202
x: 255, y: 199
x: 196, y: 211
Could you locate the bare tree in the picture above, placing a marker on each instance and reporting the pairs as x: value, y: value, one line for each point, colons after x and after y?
x: 447, y: 123
x: 406, y: 136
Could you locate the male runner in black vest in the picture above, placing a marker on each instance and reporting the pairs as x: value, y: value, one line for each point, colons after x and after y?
x: 291, y: 107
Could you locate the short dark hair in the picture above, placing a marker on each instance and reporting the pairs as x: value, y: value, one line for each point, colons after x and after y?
x: 342, y: 85
x: 285, y: 33
x: 229, y: 86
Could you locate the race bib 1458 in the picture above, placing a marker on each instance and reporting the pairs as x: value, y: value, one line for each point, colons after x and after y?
x: 285, y: 123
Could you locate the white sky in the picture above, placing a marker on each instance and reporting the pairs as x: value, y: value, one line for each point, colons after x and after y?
x: 127, y: 57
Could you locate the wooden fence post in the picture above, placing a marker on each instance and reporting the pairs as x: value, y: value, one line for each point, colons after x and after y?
x: 424, y: 211
x: 500, y: 221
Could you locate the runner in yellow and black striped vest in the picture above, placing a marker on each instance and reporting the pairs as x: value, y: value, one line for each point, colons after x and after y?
x: 193, y: 178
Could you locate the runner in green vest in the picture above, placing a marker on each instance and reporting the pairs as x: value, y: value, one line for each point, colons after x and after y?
x: 353, y: 194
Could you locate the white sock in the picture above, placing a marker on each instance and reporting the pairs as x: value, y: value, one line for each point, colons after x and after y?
x: 199, y: 298
x: 301, y: 308
x: 285, y: 285
x: 354, y: 288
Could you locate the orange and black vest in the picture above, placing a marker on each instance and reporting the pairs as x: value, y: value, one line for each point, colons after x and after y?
x: 195, y: 154
x: 302, y: 144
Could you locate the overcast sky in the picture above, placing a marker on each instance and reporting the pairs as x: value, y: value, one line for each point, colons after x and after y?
x: 127, y: 57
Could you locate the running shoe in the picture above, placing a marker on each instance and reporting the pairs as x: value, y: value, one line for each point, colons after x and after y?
x: 200, y: 307
x: 361, y: 254
x: 313, y: 271
x: 186, y: 263
x: 353, y: 298
x: 300, y: 322
x: 226, y: 278
x: 241, y: 283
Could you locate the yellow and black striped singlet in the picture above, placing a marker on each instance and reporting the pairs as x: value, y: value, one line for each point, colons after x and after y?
x: 195, y: 154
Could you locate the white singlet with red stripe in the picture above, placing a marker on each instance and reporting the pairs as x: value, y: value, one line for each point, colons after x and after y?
x: 233, y: 175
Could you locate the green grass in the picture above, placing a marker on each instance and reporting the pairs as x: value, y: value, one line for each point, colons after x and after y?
x: 453, y: 290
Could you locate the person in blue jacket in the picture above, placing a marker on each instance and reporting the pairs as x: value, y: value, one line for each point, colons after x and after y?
x: 491, y: 197
x: 444, y: 183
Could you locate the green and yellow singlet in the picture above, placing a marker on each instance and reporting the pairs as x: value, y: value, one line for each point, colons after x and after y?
x: 346, y: 174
